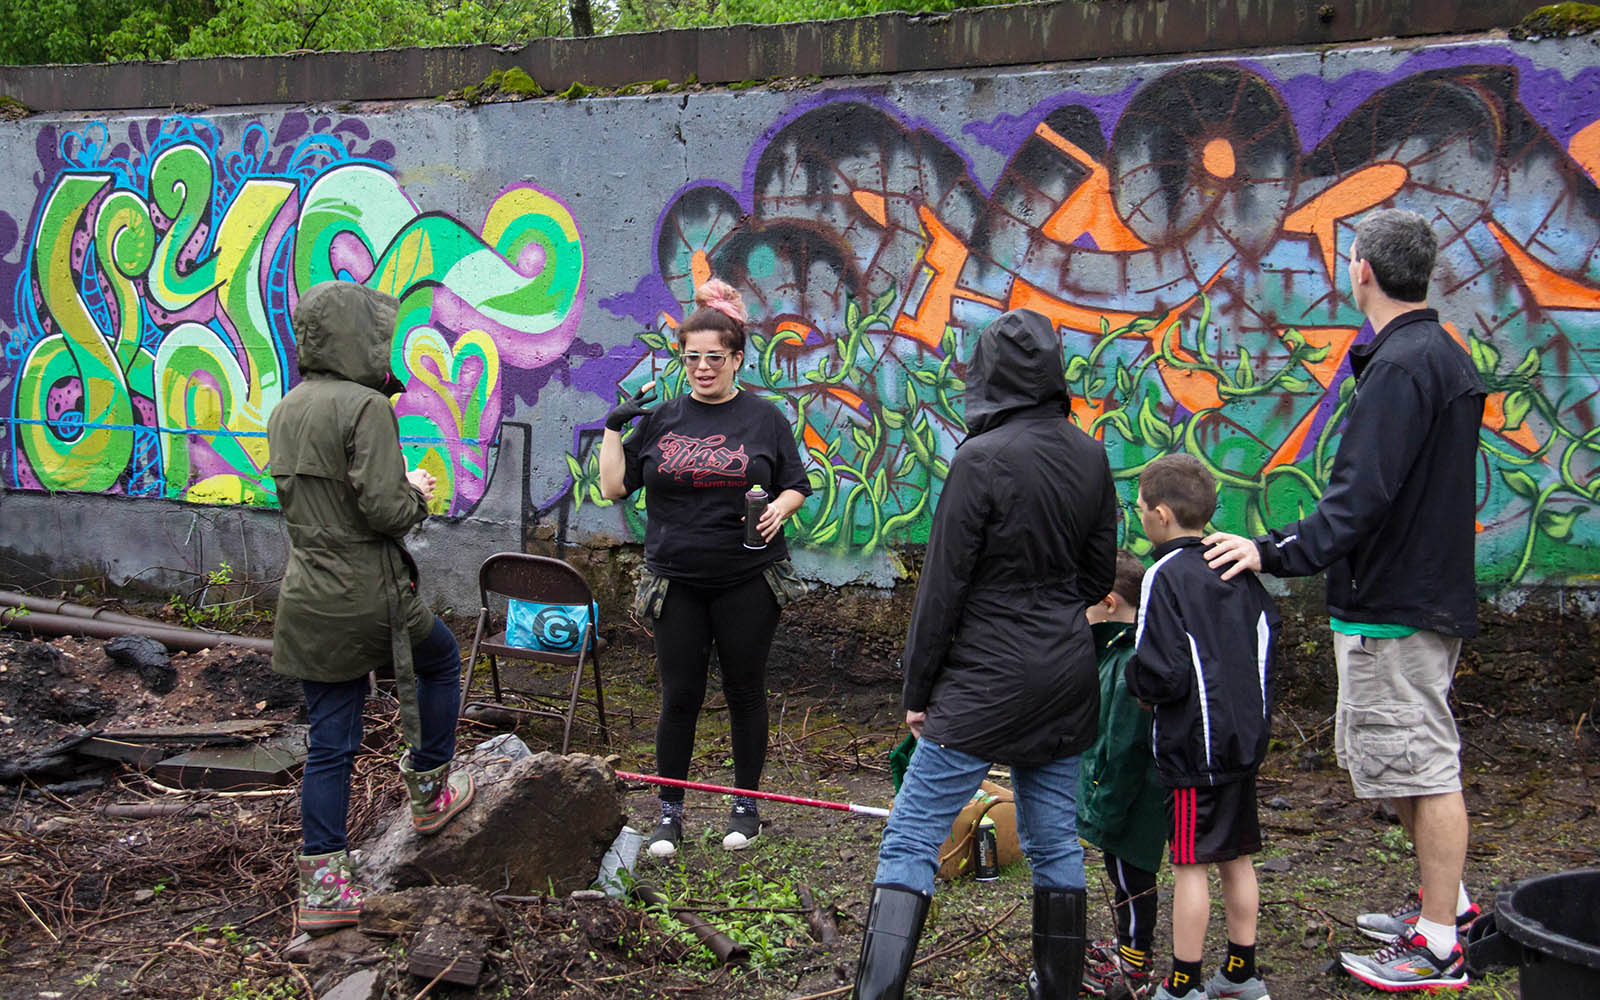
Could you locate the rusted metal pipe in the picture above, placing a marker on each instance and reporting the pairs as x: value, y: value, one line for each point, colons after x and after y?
x: 16, y: 619
x: 50, y: 606
x: 727, y: 950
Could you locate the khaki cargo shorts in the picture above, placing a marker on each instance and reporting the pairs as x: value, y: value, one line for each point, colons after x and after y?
x: 1393, y: 730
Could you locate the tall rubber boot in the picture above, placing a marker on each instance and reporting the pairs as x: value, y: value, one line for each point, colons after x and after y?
x: 894, y: 925
x: 1060, y: 918
x: 436, y: 795
x: 328, y: 898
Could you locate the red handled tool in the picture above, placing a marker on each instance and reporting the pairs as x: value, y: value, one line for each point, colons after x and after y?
x: 701, y: 786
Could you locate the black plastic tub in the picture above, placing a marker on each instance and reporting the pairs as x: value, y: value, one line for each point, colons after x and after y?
x: 1556, y: 920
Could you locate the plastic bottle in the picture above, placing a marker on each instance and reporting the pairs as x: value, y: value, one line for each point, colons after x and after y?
x: 620, y: 856
x: 755, y: 504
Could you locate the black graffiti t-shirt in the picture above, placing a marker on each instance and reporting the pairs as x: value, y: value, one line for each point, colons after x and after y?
x: 696, y: 461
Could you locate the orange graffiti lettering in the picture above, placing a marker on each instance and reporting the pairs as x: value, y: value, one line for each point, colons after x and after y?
x: 1194, y: 390
x: 700, y: 268
x: 1290, y: 449
x: 944, y: 257
x: 1337, y: 339
x: 1550, y: 288
x: 872, y: 204
x: 847, y: 397
x: 1585, y: 148
x: 813, y: 440
x: 1089, y: 208
x: 1360, y: 191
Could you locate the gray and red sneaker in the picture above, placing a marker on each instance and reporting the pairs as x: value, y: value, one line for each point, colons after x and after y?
x: 1116, y: 978
x: 1403, y: 919
x: 1407, y: 965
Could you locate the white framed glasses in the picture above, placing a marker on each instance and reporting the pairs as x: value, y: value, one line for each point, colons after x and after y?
x: 715, y: 359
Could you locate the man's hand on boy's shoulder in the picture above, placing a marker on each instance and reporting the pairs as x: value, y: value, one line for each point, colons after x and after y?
x: 1238, y: 550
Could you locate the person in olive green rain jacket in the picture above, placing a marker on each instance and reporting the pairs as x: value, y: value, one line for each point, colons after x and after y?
x: 348, y: 603
x: 1122, y: 803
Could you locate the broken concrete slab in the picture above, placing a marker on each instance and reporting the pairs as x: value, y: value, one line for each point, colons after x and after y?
x: 343, y: 946
x: 364, y: 985
x: 541, y: 822
x: 265, y: 764
x: 195, y: 733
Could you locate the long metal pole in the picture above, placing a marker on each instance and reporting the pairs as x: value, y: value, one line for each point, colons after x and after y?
x: 701, y: 786
x: 16, y: 619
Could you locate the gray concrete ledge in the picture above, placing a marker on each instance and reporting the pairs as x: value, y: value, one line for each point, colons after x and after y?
x: 888, y: 43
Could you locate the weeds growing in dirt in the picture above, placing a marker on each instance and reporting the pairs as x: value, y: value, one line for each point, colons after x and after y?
x: 759, y: 911
x: 201, y: 611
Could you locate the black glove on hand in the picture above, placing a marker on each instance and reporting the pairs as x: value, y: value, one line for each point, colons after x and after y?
x: 618, y: 418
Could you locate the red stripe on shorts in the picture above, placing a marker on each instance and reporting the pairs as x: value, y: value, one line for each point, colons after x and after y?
x: 1179, y: 840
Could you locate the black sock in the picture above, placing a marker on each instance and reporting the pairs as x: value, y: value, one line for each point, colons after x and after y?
x: 1134, y: 958
x: 1240, y: 963
x: 1185, y: 976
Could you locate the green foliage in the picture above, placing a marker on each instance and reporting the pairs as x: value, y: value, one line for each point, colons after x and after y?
x: 504, y: 84
x: 72, y: 31
x: 267, y: 26
x: 87, y: 31
x: 751, y: 907
x: 651, y: 15
x: 1558, y: 19
x: 202, y: 611
x: 242, y: 989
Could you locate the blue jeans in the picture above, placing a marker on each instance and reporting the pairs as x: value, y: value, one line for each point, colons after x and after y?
x: 940, y: 781
x: 334, y: 713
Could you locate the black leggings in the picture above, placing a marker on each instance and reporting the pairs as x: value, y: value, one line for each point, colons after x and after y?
x: 1134, y: 895
x: 740, y: 621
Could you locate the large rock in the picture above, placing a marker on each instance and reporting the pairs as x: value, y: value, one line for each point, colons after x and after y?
x: 539, y: 821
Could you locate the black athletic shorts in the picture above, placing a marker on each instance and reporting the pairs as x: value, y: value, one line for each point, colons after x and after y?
x: 1214, y: 823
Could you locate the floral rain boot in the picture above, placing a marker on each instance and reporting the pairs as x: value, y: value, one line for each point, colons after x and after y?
x: 329, y: 898
x: 436, y: 795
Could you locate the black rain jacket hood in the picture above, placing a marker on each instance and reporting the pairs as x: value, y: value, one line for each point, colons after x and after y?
x: 999, y: 654
x: 1015, y: 367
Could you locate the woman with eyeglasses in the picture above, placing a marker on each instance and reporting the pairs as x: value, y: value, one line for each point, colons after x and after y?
x: 697, y: 455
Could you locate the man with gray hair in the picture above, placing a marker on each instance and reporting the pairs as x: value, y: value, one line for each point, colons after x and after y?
x: 1395, y: 530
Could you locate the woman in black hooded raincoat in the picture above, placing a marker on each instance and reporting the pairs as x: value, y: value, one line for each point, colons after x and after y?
x: 999, y: 661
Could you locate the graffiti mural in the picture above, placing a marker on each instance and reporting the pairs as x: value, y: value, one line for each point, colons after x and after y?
x: 1188, y: 238
x: 150, y: 336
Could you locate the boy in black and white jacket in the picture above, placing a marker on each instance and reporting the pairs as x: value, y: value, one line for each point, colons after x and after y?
x: 1203, y: 659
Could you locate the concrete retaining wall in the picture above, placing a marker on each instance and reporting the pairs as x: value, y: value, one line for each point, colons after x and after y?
x: 1181, y: 220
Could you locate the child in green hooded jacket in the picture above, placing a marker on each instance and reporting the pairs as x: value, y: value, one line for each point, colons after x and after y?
x: 1122, y: 805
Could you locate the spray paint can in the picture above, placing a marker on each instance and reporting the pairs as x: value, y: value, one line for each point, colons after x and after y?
x: 755, y: 504
x: 985, y: 852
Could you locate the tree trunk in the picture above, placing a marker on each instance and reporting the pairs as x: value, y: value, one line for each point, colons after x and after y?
x: 582, y: 20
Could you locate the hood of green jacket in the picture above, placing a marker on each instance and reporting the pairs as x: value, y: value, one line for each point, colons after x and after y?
x: 346, y: 330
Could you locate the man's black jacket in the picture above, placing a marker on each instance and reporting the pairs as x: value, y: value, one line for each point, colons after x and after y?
x: 1203, y: 657
x: 999, y: 654
x: 1397, y: 526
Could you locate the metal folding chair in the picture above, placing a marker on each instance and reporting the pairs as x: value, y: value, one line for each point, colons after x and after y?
x: 542, y: 580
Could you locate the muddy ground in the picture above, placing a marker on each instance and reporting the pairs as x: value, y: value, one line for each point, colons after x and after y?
x: 199, y: 907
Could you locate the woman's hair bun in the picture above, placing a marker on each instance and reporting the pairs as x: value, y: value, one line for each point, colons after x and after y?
x: 719, y: 295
